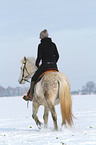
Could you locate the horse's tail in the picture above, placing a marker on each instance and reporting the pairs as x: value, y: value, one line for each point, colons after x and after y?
x: 65, y: 102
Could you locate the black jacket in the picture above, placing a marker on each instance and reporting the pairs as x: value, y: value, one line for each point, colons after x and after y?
x: 47, y: 52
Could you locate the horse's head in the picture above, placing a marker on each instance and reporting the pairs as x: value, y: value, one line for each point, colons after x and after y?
x: 27, y: 69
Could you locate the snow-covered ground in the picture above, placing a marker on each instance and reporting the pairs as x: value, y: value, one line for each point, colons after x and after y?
x: 18, y: 128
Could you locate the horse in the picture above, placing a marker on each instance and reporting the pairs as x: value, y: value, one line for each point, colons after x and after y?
x: 52, y: 89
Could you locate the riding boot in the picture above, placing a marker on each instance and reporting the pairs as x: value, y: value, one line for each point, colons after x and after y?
x: 26, y: 96
x: 32, y: 89
x: 29, y: 95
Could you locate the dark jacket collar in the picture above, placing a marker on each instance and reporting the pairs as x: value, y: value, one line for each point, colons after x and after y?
x: 46, y: 40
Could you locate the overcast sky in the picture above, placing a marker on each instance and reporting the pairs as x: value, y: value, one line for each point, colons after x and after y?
x: 71, y: 25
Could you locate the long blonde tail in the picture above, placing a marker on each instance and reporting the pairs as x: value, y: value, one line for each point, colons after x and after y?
x: 65, y: 103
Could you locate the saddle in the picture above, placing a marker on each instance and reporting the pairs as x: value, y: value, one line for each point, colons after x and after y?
x: 49, y: 70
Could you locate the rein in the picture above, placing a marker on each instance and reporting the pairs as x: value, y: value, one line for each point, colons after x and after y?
x: 25, y: 68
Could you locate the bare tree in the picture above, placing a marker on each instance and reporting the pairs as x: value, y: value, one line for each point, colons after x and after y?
x: 90, y: 87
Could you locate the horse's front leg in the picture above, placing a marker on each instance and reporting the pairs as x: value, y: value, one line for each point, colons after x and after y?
x: 34, y: 115
x: 45, y: 116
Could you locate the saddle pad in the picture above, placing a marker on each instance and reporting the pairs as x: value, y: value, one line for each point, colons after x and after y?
x: 39, y: 78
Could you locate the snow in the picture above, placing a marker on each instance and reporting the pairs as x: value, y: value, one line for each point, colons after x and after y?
x: 18, y: 128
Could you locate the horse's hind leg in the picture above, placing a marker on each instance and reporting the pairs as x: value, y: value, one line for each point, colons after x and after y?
x: 34, y: 115
x: 54, y: 116
x: 53, y: 113
x: 45, y: 116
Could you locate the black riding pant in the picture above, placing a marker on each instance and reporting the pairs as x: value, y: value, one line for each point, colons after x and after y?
x: 42, y: 69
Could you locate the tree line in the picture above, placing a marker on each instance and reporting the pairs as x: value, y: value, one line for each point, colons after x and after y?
x: 18, y: 91
x: 89, y: 88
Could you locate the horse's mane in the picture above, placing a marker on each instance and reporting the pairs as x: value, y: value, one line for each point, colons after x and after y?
x: 29, y: 59
x: 30, y: 63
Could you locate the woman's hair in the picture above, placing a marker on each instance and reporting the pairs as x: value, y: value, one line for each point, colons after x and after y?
x: 44, y: 34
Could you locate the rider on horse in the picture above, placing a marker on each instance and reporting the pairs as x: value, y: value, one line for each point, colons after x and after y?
x: 47, y: 58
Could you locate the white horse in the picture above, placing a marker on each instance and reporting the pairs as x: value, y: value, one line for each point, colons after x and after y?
x: 52, y: 89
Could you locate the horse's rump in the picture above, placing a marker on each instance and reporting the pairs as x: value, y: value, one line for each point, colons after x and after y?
x: 49, y: 86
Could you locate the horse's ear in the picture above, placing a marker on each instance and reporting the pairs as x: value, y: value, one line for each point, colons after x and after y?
x: 24, y: 58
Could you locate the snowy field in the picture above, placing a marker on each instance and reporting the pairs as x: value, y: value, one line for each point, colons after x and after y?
x: 18, y: 128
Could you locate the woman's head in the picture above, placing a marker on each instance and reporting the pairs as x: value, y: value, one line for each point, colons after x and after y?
x: 44, y: 34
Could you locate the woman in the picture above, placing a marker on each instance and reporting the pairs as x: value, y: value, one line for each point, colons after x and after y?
x: 47, y: 56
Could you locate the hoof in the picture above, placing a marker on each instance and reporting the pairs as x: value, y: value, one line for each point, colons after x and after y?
x: 39, y: 124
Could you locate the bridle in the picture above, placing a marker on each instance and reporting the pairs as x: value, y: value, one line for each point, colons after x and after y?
x: 28, y: 74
